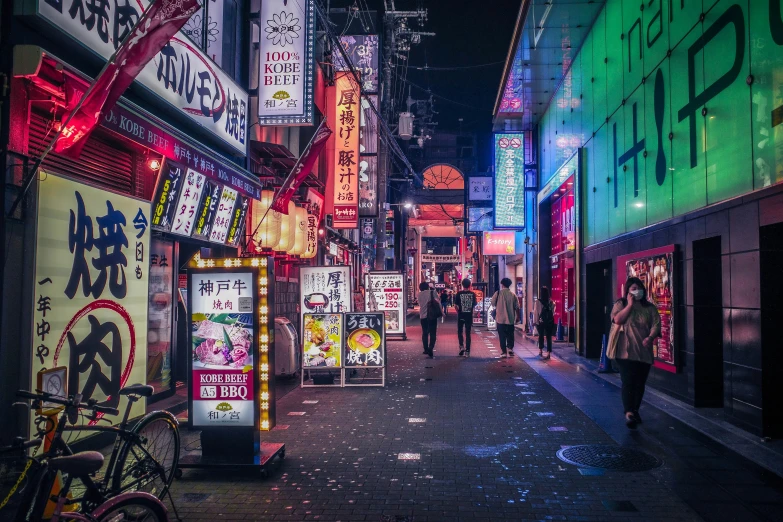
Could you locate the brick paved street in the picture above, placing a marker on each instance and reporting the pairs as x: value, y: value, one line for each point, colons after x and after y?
x: 483, y: 434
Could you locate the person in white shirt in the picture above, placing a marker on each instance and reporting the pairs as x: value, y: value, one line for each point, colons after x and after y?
x: 429, y: 326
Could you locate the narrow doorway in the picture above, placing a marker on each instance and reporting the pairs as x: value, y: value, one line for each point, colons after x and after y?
x: 707, y: 323
x: 771, y: 277
x: 598, y: 305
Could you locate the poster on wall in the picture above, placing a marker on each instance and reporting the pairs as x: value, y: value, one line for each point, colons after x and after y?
x: 365, y: 341
x: 343, y: 117
x: 656, y: 270
x: 285, y: 85
x: 385, y: 292
x: 91, y: 289
x: 322, y: 340
x: 325, y: 289
x: 509, y: 181
x: 222, y: 316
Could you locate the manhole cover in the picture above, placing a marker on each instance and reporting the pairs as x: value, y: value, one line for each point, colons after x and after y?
x: 608, y: 457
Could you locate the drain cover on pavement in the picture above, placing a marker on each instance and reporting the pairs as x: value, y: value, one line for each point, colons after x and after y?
x: 608, y: 457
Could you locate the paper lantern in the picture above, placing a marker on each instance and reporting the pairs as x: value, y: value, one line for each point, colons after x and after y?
x: 267, y: 232
x: 311, y: 237
x: 300, y: 232
x: 286, y: 230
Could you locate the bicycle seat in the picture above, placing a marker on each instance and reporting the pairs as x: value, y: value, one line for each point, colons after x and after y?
x: 142, y: 390
x: 80, y: 464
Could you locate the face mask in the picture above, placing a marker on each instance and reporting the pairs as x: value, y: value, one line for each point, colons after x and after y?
x: 637, y: 294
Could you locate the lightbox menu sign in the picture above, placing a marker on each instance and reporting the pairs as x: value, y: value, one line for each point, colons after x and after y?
x: 223, y: 215
x: 91, y: 288
x: 365, y: 340
x: 285, y: 90
x: 188, y: 205
x: 344, y: 117
x: 368, y: 186
x: 480, y: 189
x: 362, y: 51
x: 325, y: 289
x: 509, y: 181
x: 384, y: 292
x: 223, y: 348
x: 181, y: 74
x: 503, y: 243
x: 167, y: 195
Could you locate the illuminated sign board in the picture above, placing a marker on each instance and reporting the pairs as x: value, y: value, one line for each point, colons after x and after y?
x: 503, y: 243
x: 188, y: 205
x: 384, y: 292
x: 480, y: 188
x: 509, y: 181
x: 344, y: 118
x: 362, y: 51
x: 480, y: 219
x: 223, y: 216
x: 322, y: 340
x: 365, y: 340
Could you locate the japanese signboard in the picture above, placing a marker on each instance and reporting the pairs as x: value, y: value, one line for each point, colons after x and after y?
x: 503, y: 243
x: 480, y: 219
x: 285, y: 91
x: 437, y: 258
x: 365, y: 341
x: 91, y: 289
x: 322, y: 340
x: 325, y: 289
x: 189, y: 200
x: 222, y: 312
x: 656, y: 270
x: 237, y: 228
x: 368, y: 186
x: 207, y: 210
x: 480, y: 189
x: 509, y: 181
x: 170, y: 183
x: 368, y: 246
x: 180, y: 74
x: 385, y: 292
x: 362, y: 51
x: 368, y: 125
x: 344, y: 117
x: 223, y: 215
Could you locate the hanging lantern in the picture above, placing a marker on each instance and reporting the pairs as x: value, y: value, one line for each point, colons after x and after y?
x: 267, y: 232
x: 300, y: 231
x: 286, y: 230
x: 311, y: 237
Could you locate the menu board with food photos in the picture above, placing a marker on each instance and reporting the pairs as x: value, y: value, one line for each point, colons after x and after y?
x: 322, y: 341
x: 655, y: 268
x: 384, y: 292
x: 365, y: 340
x: 223, y: 216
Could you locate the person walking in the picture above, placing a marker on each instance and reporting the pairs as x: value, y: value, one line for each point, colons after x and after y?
x: 545, y: 321
x: 464, y: 302
x: 444, y: 303
x: 429, y: 325
x: 636, y: 324
x: 506, y: 307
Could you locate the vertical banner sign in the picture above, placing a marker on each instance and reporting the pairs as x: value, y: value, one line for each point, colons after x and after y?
x: 367, y: 246
x: 509, y: 181
x: 365, y: 341
x: 223, y: 216
x: 362, y: 51
x: 345, y: 119
x: 187, y: 207
x: 167, y: 195
x: 656, y: 270
x: 325, y: 289
x: 384, y: 292
x: 207, y: 210
x: 368, y: 122
x: 322, y: 340
x: 91, y: 289
x: 285, y: 91
x: 222, y: 313
x: 368, y: 186
x: 237, y: 228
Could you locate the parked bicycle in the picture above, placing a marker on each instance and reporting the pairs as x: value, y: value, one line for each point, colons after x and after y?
x: 144, y: 458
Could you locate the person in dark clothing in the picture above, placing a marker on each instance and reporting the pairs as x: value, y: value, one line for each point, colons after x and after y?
x: 464, y: 302
x: 429, y: 326
x: 545, y: 321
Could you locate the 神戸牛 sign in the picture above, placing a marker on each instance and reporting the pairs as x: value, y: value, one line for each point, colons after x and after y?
x: 322, y: 340
x: 181, y: 74
x: 223, y: 346
x: 91, y: 289
x: 385, y: 292
x: 344, y: 118
x: 285, y: 85
x: 509, y: 181
x: 365, y: 340
x: 362, y: 51
x: 325, y: 289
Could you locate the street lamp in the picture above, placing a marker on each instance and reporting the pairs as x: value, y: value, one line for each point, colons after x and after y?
x: 407, y: 204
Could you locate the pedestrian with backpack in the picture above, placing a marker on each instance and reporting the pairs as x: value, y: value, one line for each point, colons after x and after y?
x: 545, y: 321
x: 465, y: 302
x: 506, y: 309
x: 429, y: 313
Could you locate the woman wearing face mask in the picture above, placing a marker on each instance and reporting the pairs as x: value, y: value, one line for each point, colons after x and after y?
x: 635, y: 326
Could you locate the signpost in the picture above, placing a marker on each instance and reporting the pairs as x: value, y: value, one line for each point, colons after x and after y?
x: 385, y: 292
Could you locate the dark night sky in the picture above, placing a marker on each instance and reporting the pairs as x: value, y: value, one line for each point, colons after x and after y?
x: 468, y: 33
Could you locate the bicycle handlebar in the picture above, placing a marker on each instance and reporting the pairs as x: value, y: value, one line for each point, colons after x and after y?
x: 68, y: 402
x: 20, y: 445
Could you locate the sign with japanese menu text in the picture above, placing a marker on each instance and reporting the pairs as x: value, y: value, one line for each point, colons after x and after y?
x: 187, y: 206
x: 285, y: 86
x: 223, y: 215
x: 181, y: 74
x: 90, y: 295
x: 207, y: 210
x: 170, y: 181
x: 509, y: 181
x: 322, y: 340
x: 365, y: 340
x: 325, y: 289
x: 385, y: 292
x: 222, y: 316
x: 344, y: 118
x: 237, y: 228
x: 362, y: 51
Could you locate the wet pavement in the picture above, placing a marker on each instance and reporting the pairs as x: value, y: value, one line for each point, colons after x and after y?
x: 451, y: 438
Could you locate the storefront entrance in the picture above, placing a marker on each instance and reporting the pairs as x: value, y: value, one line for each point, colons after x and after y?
x: 563, y: 257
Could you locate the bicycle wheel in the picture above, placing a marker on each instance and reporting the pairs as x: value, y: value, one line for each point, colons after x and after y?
x: 135, y: 509
x: 150, y: 466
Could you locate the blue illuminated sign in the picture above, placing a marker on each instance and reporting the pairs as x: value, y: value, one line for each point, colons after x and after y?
x: 509, y: 181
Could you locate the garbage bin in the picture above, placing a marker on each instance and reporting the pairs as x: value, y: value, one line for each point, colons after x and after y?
x: 287, y: 357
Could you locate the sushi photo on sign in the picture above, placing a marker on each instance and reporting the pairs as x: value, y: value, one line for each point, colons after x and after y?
x: 365, y: 340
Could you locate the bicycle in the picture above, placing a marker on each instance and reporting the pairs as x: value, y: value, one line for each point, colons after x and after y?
x: 143, y: 458
x: 130, y: 506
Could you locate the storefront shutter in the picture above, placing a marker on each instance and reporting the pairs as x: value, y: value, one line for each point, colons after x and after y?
x: 101, y: 163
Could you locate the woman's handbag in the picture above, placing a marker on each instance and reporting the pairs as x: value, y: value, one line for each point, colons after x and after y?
x: 616, y: 339
x: 434, y: 310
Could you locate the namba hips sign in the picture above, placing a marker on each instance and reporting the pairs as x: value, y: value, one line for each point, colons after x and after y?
x: 285, y: 88
x: 509, y: 181
x: 90, y: 294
